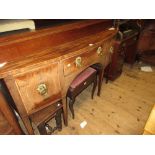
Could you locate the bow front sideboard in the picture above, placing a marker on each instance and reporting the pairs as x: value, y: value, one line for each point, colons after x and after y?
x: 38, y: 67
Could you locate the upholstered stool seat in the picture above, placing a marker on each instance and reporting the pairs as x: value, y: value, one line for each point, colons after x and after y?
x: 82, y: 81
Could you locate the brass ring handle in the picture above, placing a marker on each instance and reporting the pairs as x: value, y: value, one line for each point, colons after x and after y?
x: 100, y: 51
x: 78, y: 62
x: 111, y: 50
x: 42, y: 89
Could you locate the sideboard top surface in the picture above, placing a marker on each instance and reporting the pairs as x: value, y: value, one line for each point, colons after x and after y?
x: 47, y: 52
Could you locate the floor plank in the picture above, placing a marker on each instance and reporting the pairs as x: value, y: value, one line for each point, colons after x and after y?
x: 123, y: 107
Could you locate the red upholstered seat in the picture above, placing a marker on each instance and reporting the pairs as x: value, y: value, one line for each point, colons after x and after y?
x: 82, y: 77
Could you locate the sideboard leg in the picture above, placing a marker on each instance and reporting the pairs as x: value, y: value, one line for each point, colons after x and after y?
x: 28, y: 125
x: 100, y: 81
x: 65, y: 111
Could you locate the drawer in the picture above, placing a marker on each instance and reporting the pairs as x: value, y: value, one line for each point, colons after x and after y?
x: 98, y: 54
x: 39, y: 87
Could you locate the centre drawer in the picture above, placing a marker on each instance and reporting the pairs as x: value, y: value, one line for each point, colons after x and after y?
x: 39, y: 87
x: 76, y: 62
x: 85, y: 59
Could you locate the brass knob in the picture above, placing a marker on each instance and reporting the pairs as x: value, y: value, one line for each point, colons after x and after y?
x: 100, y: 51
x: 111, y: 50
x: 42, y: 89
x: 78, y: 62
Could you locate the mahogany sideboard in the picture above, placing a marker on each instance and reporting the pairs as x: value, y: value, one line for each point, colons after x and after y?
x: 38, y: 67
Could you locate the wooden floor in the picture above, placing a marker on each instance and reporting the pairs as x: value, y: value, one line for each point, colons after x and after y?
x: 122, y: 108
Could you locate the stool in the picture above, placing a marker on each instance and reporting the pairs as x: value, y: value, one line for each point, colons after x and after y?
x: 82, y: 81
x: 42, y: 117
x: 100, y: 72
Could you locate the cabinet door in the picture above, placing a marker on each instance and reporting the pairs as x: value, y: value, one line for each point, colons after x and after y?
x: 39, y: 88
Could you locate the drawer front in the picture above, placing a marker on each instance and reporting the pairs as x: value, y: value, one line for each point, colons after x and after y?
x: 39, y: 87
x: 75, y: 63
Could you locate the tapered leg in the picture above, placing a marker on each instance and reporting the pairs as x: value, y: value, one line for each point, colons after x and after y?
x: 28, y: 125
x: 71, y: 102
x: 65, y: 111
x: 94, y: 87
x: 101, y: 73
x: 58, y: 120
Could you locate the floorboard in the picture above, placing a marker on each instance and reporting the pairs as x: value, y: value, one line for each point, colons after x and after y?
x: 123, y: 107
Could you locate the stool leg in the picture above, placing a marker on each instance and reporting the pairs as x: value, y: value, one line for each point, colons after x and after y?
x: 94, y: 87
x: 58, y: 119
x: 42, y: 129
x: 71, y: 102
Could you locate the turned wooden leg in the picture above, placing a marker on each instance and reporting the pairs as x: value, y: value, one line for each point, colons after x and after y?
x: 42, y: 129
x: 58, y: 120
x: 101, y: 73
x: 94, y: 87
x: 71, y: 102
x: 65, y: 111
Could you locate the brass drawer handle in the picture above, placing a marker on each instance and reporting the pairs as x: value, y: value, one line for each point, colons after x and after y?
x: 42, y: 89
x: 78, y: 62
x: 100, y: 51
x: 111, y: 50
